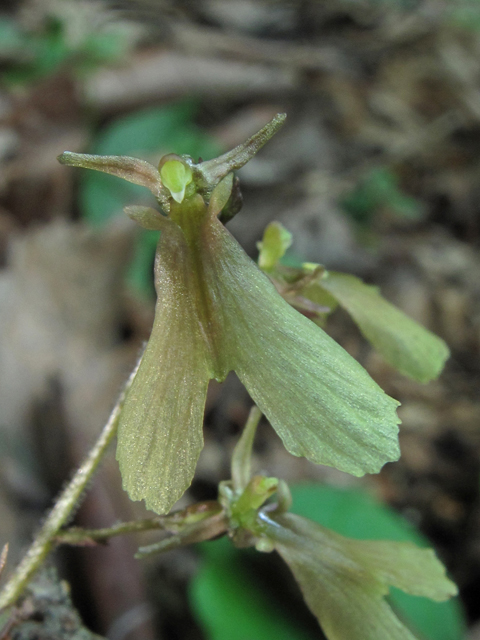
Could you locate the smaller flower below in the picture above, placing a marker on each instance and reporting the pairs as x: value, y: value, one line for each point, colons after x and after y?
x: 345, y: 581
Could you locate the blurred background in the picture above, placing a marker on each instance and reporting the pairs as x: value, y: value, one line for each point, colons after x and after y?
x: 376, y: 172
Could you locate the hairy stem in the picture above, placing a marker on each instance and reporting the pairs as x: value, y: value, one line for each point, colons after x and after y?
x: 64, y: 506
x: 78, y: 536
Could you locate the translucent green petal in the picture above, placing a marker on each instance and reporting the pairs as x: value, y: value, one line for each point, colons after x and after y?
x: 321, y: 402
x: 402, y: 564
x: 406, y: 345
x: 160, y: 431
x: 345, y: 596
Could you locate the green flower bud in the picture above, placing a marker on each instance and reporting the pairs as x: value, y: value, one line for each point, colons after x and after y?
x: 175, y: 175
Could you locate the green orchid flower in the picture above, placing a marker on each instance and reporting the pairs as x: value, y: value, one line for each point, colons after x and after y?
x: 217, y: 312
x: 344, y: 581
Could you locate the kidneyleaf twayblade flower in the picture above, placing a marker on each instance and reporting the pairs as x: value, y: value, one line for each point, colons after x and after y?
x: 345, y: 581
x: 217, y: 312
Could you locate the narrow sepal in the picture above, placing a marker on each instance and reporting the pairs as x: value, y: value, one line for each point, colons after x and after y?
x: 131, y: 169
x: 212, y: 171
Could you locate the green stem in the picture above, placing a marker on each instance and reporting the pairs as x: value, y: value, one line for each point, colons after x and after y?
x: 242, y: 454
x: 78, y: 536
x: 61, y: 512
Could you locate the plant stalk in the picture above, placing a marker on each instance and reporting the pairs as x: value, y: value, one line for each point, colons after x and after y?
x: 79, y: 536
x: 64, y: 506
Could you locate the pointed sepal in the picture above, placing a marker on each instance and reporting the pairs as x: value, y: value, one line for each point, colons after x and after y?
x: 209, y: 173
x: 130, y: 169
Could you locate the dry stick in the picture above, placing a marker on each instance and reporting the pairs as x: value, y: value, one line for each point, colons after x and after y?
x: 67, y: 501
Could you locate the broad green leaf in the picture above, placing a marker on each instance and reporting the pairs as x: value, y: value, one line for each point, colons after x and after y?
x: 276, y: 240
x: 356, y: 514
x: 160, y: 430
x: 380, y: 188
x: 353, y: 513
x: 405, y: 344
x: 320, y: 401
x: 103, y: 48
x: 344, y: 584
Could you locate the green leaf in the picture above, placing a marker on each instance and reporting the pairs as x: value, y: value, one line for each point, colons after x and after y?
x: 12, y: 39
x: 320, y: 401
x: 160, y: 431
x: 405, y: 344
x: 102, y: 48
x: 380, y: 189
x: 228, y: 604
x: 344, y: 582
x: 275, y: 242
x: 356, y: 514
